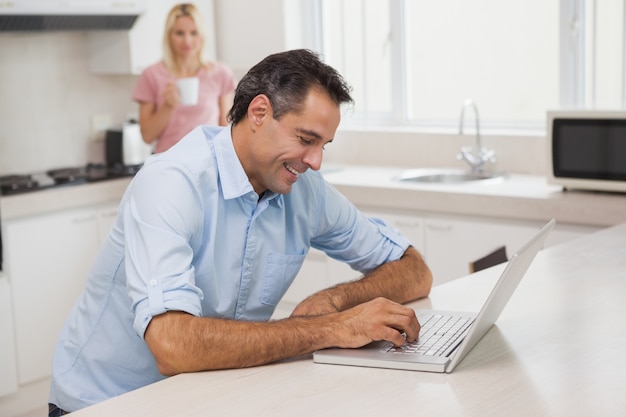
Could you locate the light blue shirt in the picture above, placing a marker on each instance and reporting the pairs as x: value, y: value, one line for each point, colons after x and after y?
x: 192, y: 235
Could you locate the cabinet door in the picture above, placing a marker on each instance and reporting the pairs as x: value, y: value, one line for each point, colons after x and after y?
x: 107, y: 215
x: 48, y: 258
x: 8, y: 371
x: 130, y: 52
x: 452, y: 244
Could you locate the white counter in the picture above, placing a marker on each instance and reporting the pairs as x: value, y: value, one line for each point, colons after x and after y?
x: 60, y: 198
x: 516, y: 197
x: 557, y: 350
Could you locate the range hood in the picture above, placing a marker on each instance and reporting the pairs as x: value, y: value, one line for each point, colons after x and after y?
x: 57, y: 15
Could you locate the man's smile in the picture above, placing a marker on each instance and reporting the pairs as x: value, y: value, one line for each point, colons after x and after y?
x: 292, y: 170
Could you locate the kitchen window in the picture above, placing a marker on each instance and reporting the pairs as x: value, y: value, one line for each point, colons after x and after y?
x: 414, y: 62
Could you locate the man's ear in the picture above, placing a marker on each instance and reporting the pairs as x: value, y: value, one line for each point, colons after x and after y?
x: 259, y: 109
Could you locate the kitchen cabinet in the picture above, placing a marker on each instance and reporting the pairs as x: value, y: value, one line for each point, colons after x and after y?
x: 448, y: 244
x: 451, y: 243
x: 320, y: 271
x: 106, y: 214
x: 48, y: 258
x: 8, y: 371
x: 130, y: 52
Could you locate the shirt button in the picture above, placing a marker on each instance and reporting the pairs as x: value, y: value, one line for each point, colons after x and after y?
x: 153, y: 282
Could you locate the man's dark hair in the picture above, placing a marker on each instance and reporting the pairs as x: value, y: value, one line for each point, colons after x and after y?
x: 286, y: 78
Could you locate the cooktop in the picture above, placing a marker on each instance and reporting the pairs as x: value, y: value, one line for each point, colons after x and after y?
x: 23, y: 183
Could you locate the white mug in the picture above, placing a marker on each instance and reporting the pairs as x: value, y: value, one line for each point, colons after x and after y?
x: 188, y: 90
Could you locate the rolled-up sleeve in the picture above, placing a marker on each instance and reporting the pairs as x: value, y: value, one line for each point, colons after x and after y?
x: 161, y: 218
x: 347, y: 235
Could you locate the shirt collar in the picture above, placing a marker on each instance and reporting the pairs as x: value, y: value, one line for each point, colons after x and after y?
x: 232, y: 177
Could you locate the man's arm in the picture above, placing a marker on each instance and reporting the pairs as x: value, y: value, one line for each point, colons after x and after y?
x: 404, y: 280
x: 349, y: 315
x: 181, y: 342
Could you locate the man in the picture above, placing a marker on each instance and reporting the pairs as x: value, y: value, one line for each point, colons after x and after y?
x: 211, y: 233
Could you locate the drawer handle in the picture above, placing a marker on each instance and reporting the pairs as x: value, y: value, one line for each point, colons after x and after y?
x: 440, y: 227
x: 84, y: 219
x: 408, y: 223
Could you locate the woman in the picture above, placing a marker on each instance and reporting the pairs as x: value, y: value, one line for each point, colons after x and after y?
x: 162, y: 117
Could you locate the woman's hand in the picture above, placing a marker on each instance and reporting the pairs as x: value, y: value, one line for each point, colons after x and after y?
x: 171, y: 98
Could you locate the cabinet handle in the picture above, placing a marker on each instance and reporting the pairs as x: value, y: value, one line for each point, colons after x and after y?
x: 407, y: 223
x: 84, y: 219
x: 440, y: 227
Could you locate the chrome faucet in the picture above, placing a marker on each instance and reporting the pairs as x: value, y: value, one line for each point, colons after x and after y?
x: 478, y: 158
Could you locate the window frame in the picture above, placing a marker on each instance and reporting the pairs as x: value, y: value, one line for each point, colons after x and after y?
x: 577, y: 72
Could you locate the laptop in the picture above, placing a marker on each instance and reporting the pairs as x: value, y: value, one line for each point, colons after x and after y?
x: 440, y: 349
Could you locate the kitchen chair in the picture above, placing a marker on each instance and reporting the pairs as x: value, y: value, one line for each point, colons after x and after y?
x: 494, y: 258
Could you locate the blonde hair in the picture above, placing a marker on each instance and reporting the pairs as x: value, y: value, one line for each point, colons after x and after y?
x: 189, y: 10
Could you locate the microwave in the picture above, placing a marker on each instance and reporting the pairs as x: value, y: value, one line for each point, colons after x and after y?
x: 587, y: 149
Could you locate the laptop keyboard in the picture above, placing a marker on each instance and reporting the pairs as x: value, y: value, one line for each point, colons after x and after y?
x: 439, y: 335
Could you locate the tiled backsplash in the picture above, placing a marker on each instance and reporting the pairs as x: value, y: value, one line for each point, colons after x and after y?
x: 406, y: 148
x: 48, y: 98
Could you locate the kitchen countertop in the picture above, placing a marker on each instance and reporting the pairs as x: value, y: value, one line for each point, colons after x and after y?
x: 61, y: 198
x: 522, y: 197
x: 539, y: 361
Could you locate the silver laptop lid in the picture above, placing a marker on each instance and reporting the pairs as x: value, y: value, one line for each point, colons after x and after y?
x: 501, y: 293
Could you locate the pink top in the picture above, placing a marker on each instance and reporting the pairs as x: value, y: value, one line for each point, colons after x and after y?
x: 213, y: 85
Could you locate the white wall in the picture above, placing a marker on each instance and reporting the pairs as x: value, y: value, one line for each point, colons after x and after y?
x: 409, y: 149
x: 248, y: 31
x: 47, y: 97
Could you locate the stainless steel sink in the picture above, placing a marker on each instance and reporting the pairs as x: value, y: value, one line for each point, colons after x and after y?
x: 447, y: 176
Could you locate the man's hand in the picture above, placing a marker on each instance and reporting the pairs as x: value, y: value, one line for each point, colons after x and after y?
x: 181, y: 342
x: 379, y: 319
